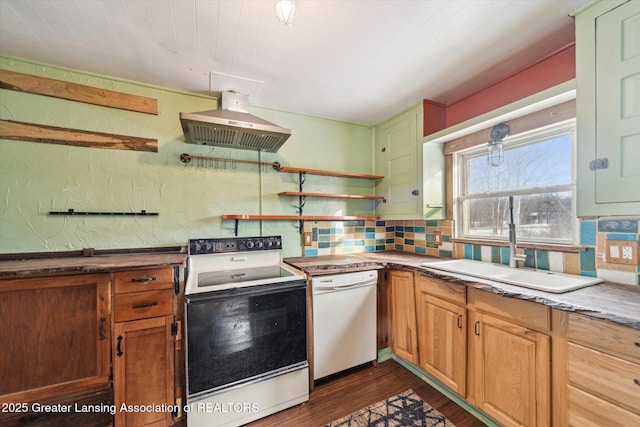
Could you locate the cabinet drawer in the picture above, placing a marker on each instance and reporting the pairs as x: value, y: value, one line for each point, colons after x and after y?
x: 606, y: 376
x: 449, y: 291
x: 527, y: 313
x: 143, y: 280
x: 606, y: 336
x: 587, y: 410
x: 141, y: 305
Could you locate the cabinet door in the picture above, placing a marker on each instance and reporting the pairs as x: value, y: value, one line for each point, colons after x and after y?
x: 404, y: 340
x: 618, y: 104
x: 442, y: 341
x: 395, y: 158
x: 55, y: 335
x: 143, y: 370
x: 509, y: 372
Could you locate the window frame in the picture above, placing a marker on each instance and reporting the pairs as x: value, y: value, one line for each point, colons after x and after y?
x: 529, y: 137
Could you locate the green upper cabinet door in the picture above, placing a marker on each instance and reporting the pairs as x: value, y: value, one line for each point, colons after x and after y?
x: 396, y: 159
x: 608, y: 108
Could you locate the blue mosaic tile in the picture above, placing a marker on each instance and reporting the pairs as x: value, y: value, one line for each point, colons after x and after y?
x: 477, y: 252
x: 324, y: 231
x: 588, y: 260
x: 588, y: 273
x: 323, y: 245
x: 399, y: 228
x: 531, y: 258
x: 432, y: 223
x: 445, y: 254
x: 446, y: 237
x: 399, y: 247
x: 381, y: 223
x: 588, y: 233
x: 420, y: 250
x: 408, y: 229
x: 420, y: 229
x: 314, y: 234
x: 369, y: 235
x: 310, y: 252
x: 399, y: 234
x: 370, y: 230
x: 380, y: 247
x: 617, y: 236
x: 370, y: 248
x: 468, y: 251
x: 619, y: 226
x: 506, y: 255
x: 542, y: 260
x: 390, y: 229
x: 408, y: 241
x: 390, y: 240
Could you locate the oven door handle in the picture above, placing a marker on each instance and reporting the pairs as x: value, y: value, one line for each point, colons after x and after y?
x: 238, y: 258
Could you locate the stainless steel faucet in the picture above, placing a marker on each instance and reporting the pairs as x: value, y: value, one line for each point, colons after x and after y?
x: 513, y: 256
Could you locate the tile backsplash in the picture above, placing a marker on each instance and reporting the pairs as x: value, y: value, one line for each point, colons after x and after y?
x: 419, y: 236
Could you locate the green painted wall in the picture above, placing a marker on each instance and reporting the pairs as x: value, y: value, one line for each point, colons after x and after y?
x: 36, y: 178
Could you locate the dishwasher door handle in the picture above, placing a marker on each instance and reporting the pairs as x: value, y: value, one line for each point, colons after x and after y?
x: 341, y: 287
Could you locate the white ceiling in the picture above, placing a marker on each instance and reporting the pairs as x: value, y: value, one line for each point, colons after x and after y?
x: 356, y: 61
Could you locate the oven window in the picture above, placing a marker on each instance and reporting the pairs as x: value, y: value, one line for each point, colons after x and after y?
x: 236, y: 335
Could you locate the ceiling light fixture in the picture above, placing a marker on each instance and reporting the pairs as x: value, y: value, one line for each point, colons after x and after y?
x: 495, y: 148
x: 286, y: 11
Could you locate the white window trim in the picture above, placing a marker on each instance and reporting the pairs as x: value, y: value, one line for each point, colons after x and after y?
x: 557, y: 129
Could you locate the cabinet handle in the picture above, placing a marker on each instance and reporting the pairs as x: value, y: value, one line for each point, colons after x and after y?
x: 151, y: 304
x: 119, y: 345
x: 102, y: 322
x: 476, y: 328
x: 144, y: 279
x: 459, y: 321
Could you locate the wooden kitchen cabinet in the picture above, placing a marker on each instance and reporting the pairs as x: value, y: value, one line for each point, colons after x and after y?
x: 56, y: 337
x: 442, y: 331
x: 603, y: 370
x: 143, y: 346
x: 608, y: 105
x: 404, y: 339
x: 510, y: 362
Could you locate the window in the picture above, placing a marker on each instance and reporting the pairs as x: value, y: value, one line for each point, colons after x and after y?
x: 538, y: 170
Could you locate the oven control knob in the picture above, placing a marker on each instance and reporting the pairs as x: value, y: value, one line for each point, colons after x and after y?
x: 249, y: 244
x: 259, y: 244
x: 269, y: 244
x: 197, y: 248
x: 208, y: 247
x: 277, y: 243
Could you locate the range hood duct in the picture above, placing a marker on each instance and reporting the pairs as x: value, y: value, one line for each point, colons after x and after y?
x: 233, y: 127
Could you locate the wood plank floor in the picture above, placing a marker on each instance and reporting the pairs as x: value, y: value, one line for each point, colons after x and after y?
x: 347, y: 393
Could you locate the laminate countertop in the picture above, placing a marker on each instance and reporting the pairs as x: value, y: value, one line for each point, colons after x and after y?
x: 609, y: 301
x: 40, y: 267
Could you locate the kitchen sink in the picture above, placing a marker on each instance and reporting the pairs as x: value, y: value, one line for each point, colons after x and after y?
x: 541, y: 280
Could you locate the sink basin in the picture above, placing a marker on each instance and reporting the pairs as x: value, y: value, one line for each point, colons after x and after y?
x: 541, y: 280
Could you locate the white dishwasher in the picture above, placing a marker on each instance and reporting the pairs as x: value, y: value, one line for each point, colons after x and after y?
x: 344, y: 321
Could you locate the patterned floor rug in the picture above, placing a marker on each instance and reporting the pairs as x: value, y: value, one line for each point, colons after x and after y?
x: 402, y: 410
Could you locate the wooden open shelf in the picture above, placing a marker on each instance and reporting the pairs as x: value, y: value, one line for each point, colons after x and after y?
x: 321, y: 172
x: 339, y: 196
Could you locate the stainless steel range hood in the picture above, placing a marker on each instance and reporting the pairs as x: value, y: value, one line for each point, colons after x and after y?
x: 233, y: 127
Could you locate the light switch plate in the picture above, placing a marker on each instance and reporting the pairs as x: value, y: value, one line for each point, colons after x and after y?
x: 307, y: 238
x: 621, y: 252
x: 437, y: 238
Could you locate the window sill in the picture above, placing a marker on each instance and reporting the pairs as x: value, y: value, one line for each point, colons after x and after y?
x: 529, y: 245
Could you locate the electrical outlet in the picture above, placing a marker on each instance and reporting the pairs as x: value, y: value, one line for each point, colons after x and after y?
x: 621, y: 252
x: 307, y: 238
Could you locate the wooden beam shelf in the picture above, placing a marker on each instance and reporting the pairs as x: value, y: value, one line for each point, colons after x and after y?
x: 339, y: 196
x: 320, y: 172
x: 78, y: 138
x: 76, y: 92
